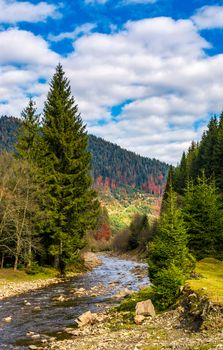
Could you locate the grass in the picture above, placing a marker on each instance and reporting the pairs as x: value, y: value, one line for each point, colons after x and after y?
x: 9, y: 275
x: 211, y: 282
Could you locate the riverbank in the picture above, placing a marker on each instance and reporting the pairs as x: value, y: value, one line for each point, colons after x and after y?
x: 195, y: 324
x: 165, y: 331
x: 13, y: 283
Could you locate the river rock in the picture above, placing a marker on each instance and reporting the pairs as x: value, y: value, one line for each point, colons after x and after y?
x: 145, y: 308
x: 86, y: 318
x: 123, y: 293
x: 8, y: 319
x: 33, y: 347
x: 139, y: 319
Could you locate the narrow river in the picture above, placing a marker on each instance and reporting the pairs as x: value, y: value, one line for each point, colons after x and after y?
x: 44, y: 313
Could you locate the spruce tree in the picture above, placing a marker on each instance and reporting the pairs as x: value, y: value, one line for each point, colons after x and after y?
x: 169, y: 260
x: 203, y: 217
x: 218, y: 155
x: 71, y: 203
x: 27, y: 150
x: 29, y: 134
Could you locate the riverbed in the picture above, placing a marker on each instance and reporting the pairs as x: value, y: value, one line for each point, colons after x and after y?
x: 43, y: 315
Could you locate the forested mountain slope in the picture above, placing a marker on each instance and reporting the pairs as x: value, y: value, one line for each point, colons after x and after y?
x: 113, y: 167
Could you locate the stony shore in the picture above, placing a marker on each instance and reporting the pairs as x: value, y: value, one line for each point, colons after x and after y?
x: 10, y: 289
x: 165, y: 331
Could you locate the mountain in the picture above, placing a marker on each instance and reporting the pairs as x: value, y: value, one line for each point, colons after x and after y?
x: 114, y: 168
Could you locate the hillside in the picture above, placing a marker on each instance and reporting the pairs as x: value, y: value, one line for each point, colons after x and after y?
x: 113, y: 167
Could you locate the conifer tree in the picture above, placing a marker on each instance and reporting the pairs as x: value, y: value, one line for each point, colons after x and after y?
x: 218, y: 155
x: 206, y: 159
x: 169, y: 260
x: 203, y: 217
x: 27, y: 148
x: 71, y: 203
x: 29, y: 135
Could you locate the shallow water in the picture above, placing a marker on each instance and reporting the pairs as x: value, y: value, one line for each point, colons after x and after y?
x: 40, y: 313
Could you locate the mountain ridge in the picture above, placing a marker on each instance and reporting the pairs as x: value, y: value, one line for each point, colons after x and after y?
x: 112, y: 166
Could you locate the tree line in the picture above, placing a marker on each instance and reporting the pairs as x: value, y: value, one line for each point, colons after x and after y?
x: 191, y: 223
x: 47, y: 202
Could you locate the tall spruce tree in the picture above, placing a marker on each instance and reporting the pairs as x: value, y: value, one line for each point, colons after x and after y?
x: 27, y: 150
x: 71, y: 203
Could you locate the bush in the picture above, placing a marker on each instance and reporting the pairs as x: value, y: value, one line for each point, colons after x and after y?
x: 34, y: 269
x: 120, y: 241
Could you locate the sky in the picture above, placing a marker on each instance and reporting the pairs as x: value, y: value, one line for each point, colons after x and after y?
x: 146, y: 74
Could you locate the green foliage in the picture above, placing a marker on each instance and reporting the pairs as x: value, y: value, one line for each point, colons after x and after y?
x: 202, y: 210
x: 169, y: 259
x: 28, y: 141
x: 166, y: 286
x: 70, y: 202
x: 34, y: 269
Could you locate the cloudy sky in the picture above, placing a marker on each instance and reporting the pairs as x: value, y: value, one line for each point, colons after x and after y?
x: 146, y: 74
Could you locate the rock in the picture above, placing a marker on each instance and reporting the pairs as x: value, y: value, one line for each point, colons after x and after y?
x: 33, y: 347
x: 35, y: 336
x: 123, y: 293
x: 139, y: 319
x: 60, y: 298
x: 145, y: 308
x: 37, y: 308
x: 85, y: 318
x: 8, y: 319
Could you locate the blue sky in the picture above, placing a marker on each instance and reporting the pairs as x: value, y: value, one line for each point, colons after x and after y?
x: 146, y: 74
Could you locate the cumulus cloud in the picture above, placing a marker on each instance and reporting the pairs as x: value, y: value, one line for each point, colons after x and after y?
x: 209, y: 17
x: 13, y: 11
x: 154, y: 71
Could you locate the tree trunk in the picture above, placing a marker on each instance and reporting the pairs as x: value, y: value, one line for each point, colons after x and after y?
x: 16, y: 262
x: 29, y: 262
x: 2, y: 260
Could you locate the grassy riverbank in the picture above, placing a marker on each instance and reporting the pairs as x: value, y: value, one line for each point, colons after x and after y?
x: 9, y: 275
x: 210, y: 280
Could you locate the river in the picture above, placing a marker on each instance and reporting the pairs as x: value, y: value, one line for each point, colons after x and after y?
x: 44, y: 313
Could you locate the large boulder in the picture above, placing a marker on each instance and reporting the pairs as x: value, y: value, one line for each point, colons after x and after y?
x: 145, y: 308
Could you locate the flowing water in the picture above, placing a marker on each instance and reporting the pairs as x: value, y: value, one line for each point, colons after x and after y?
x: 42, y: 314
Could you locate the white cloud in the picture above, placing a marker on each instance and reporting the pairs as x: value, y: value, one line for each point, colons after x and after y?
x: 209, y: 17
x: 23, y: 47
x: 156, y: 69
x: 12, y: 11
x: 83, y: 29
